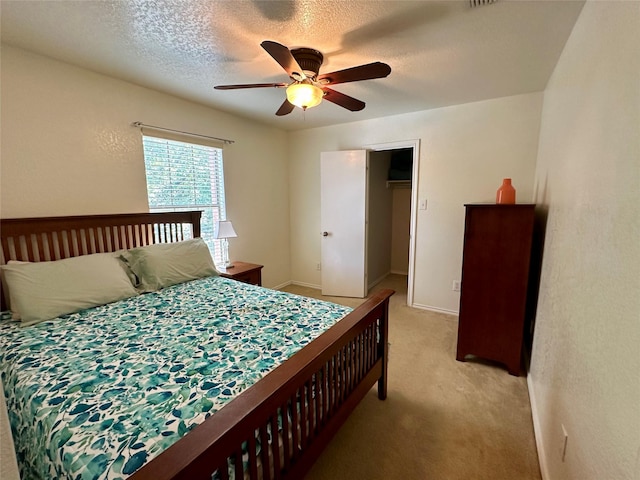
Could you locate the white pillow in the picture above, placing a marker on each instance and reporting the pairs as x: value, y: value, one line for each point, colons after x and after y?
x: 44, y: 290
x: 163, y: 264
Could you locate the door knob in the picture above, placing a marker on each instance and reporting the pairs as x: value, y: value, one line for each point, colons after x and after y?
x: 325, y: 234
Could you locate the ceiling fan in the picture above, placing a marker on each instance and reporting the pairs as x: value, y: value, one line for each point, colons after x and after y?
x: 308, y: 87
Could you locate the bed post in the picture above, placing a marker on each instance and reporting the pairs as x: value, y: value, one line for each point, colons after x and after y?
x: 383, y: 349
x: 195, y: 221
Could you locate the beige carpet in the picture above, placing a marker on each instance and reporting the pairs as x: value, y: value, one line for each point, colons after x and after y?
x: 442, y: 419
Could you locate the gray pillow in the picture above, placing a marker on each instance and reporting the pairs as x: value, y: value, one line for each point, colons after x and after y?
x: 164, y: 264
x: 5, y: 292
x: 44, y: 290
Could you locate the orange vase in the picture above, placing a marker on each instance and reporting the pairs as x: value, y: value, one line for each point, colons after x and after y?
x: 506, y: 194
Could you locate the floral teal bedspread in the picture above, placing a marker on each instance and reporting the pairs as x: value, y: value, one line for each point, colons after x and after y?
x: 96, y: 394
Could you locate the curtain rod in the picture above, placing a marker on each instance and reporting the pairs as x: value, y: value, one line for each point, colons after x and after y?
x: 140, y: 124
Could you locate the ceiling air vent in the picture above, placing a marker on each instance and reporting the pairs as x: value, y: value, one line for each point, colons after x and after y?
x: 478, y: 3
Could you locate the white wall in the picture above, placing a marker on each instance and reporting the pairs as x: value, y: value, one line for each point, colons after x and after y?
x: 585, y: 368
x: 68, y: 149
x: 465, y: 152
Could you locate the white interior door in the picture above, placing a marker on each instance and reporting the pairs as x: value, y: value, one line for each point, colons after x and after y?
x: 343, y: 211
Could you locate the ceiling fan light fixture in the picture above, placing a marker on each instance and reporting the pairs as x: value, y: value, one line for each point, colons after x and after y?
x: 304, y: 95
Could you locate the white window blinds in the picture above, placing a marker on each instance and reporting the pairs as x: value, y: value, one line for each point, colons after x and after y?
x: 186, y: 176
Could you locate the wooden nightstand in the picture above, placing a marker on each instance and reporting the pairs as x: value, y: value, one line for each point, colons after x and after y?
x: 243, y: 272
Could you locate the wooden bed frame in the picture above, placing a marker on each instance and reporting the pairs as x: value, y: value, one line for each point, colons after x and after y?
x: 306, y: 399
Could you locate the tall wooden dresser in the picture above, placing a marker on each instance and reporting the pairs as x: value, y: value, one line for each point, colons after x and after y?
x: 495, y: 273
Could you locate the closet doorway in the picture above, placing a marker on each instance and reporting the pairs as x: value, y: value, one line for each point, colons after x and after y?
x: 392, y: 205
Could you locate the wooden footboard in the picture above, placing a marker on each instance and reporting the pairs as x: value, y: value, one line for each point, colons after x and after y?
x: 305, y: 400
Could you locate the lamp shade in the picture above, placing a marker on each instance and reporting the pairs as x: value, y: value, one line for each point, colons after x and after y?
x: 304, y: 95
x: 224, y: 229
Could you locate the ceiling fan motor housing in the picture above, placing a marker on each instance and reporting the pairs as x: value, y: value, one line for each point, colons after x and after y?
x: 309, y: 60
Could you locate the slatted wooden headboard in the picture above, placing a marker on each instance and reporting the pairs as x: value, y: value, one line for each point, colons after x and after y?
x: 55, y: 238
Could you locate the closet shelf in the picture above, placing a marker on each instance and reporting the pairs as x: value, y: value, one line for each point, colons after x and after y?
x: 398, y: 183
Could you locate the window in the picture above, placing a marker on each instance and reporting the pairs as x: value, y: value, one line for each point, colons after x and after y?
x: 186, y: 176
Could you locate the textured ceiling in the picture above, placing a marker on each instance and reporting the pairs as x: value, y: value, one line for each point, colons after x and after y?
x: 440, y: 52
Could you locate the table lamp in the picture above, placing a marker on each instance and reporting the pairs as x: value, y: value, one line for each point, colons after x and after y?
x: 222, y: 231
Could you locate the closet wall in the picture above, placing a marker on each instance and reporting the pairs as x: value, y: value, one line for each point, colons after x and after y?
x: 380, y: 204
x: 400, y: 229
x: 389, y: 221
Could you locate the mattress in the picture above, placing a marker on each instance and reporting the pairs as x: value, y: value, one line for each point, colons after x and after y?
x: 97, y: 394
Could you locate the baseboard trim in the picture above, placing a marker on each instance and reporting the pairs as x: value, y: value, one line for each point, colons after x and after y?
x: 398, y: 272
x: 281, y: 286
x: 537, y: 429
x: 378, y: 280
x: 303, y: 284
x: 435, y: 309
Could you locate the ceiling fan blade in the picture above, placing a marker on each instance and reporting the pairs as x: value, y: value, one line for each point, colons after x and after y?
x: 282, y: 55
x: 286, y: 108
x: 355, y: 74
x: 250, y: 85
x: 343, y: 100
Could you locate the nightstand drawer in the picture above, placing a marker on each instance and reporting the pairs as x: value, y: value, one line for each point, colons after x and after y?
x: 250, y: 277
x: 243, y: 272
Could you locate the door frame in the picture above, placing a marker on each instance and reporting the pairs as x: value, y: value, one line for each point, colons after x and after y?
x: 415, y: 144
